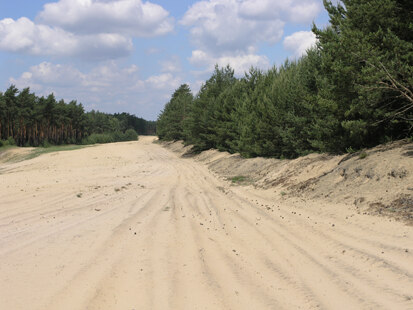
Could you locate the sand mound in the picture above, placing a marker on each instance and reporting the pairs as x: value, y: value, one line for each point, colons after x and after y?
x: 378, y: 180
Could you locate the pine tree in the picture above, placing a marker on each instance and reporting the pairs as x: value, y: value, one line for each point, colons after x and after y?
x: 367, y: 55
x: 170, y: 124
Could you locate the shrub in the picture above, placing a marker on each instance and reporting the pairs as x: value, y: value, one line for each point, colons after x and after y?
x: 130, y: 135
x: 11, y: 141
x: 98, y: 138
x: 238, y: 179
x: 46, y: 143
x: 117, y: 136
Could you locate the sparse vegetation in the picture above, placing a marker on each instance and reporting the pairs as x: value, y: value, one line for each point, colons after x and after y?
x: 39, y: 151
x: 239, y: 179
x: 401, y: 208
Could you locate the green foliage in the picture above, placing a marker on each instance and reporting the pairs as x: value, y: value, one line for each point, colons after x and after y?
x: 130, y: 135
x: 170, y: 124
x: 4, y: 143
x: 11, y: 141
x: 46, y: 144
x: 110, y: 137
x: 350, y: 150
x: 100, y: 138
x: 367, y: 63
x: 208, y: 111
x: 239, y: 179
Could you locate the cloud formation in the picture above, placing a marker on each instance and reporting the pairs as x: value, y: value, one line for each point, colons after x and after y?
x: 88, y: 29
x: 230, y: 31
x: 216, y: 26
x: 297, y: 11
x: 103, y: 87
x: 128, y: 17
x: 240, y: 63
x: 24, y: 36
x: 172, y: 65
x: 299, y: 42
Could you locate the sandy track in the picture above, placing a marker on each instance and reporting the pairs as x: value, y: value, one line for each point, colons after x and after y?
x: 133, y: 226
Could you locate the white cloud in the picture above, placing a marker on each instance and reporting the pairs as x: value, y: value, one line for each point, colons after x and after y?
x: 224, y: 26
x: 299, y: 42
x: 163, y: 81
x: 240, y: 63
x: 103, y: 87
x: 218, y: 27
x: 297, y: 11
x: 171, y: 65
x: 24, y: 36
x: 129, y: 17
x: 51, y: 75
x: 231, y: 31
x: 90, y: 29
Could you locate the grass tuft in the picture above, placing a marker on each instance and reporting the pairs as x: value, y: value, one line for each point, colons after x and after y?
x: 238, y: 179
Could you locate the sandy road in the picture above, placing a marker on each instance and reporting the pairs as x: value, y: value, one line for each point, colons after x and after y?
x: 132, y: 226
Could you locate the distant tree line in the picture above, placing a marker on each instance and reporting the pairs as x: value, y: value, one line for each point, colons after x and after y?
x: 353, y: 90
x: 29, y: 120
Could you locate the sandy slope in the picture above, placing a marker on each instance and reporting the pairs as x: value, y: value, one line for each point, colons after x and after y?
x: 134, y: 226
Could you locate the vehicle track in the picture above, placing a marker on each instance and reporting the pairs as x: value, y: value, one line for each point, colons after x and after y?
x: 151, y: 230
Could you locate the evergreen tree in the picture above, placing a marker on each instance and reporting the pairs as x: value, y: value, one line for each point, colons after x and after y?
x: 201, y: 125
x: 170, y: 124
x: 367, y: 57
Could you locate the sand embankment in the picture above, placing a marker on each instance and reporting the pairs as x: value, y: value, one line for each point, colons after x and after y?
x: 376, y: 181
x: 135, y: 226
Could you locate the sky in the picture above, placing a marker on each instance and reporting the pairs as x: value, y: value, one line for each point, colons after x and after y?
x: 130, y: 55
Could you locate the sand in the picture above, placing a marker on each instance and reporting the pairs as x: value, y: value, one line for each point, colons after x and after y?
x: 135, y: 226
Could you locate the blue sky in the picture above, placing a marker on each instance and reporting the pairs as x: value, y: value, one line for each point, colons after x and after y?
x: 130, y: 55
